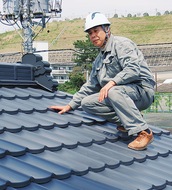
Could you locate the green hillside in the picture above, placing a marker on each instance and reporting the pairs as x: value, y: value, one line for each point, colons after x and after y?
x: 62, y: 34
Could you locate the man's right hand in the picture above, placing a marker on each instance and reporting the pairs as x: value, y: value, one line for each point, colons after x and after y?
x: 62, y: 109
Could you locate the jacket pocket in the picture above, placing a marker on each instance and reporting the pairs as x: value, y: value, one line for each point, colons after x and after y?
x: 112, y: 66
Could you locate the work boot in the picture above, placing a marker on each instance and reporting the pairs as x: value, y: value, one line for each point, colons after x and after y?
x: 142, y: 141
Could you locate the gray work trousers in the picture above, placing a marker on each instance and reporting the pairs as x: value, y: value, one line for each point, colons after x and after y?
x: 122, y: 106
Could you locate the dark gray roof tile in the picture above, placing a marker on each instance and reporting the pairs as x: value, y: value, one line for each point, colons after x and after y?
x: 31, y: 146
x: 7, y: 107
x: 87, y: 121
x: 34, y: 173
x: 58, y: 171
x: 114, y: 182
x: 85, y: 183
x: 167, y: 187
x: 71, y: 155
x: 6, y: 93
x: 57, y: 138
x: 159, y: 131
x: 40, y: 137
x: 3, y: 152
x: 130, y: 181
x: 135, y: 172
x: 86, y: 132
x: 100, y: 130
x: 56, y: 157
x: 11, y: 148
x: 112, y: 154
x: 15, y: 123
x: 13, y: 178
x: 32, y: 186
x: 61, y: 185
x: 72, y: 134
x: 89, y: 116
x: 96, y: 155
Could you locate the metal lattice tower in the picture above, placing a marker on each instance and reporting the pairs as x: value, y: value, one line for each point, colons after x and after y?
x: 29, y: 13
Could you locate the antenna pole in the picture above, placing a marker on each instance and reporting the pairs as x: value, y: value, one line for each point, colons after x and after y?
x: 27, y: 28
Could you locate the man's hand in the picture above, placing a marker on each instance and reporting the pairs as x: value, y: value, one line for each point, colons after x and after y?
x: 62, y: 109
x: 104, y: 91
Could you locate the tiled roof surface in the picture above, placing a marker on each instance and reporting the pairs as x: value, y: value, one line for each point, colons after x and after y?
x: 42, y: 150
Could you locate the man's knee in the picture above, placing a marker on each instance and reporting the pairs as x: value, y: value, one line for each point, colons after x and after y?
x: 115, y: 93
x: 84, y: 102
x: 87, y: 103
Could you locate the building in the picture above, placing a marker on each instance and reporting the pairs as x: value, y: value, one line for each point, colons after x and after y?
x: 158, y: 57
x: 62, y: 63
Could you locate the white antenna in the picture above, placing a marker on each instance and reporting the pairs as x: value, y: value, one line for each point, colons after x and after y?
x: 29, y: 13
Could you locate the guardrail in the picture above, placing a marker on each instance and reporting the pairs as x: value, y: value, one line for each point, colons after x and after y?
x: 161, y: 104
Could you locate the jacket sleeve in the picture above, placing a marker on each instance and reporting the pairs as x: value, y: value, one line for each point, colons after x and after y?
x: 90, y: 87
x: 129, y: 58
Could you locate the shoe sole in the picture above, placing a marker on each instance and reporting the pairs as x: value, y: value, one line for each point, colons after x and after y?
x: 142, y: 147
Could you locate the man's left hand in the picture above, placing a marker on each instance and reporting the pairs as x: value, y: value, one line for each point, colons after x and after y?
x: 104, y: 91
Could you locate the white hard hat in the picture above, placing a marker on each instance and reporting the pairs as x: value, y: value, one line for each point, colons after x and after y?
x: 95, y: 19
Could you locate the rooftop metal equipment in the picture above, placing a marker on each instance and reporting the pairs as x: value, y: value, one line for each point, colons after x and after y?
x: 27, y: 14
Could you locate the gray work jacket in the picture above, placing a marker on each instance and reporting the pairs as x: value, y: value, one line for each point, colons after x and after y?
x: 120, y: 61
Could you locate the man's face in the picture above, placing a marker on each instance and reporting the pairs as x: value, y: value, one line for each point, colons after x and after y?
x: 97, y: 36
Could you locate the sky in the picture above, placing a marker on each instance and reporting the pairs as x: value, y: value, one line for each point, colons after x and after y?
x: 81, y: 8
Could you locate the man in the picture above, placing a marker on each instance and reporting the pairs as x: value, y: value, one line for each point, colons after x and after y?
x: 120, y: 84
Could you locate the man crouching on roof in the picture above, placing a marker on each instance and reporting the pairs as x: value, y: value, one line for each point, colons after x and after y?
x: 120, y: 83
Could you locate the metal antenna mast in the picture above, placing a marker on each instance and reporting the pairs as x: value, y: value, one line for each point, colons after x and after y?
x: 27, y: 27
x: 29, y: 13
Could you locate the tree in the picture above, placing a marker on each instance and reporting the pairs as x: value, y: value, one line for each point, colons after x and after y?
x: 158, y: 14
x: 145, y: 14
x: 86, y: 52
x: 129, y: 15
x: 115, y: 15
x: 77, y: 79
x: 166, y: 13
x: 84, y: 56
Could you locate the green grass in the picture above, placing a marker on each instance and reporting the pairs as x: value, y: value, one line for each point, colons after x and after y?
x: 142, y: 30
